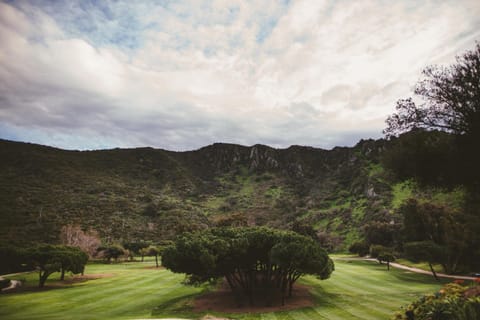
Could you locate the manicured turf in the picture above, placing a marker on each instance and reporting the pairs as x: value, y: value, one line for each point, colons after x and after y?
x: 356, y: 290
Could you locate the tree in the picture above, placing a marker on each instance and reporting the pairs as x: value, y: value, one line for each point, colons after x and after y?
x: 386, y: 256
x: 359, y: 247
x: 151, y: 251
x: 451, y: 103
x: 452, y: 235
x: 135, y: 247
x: 49, y: 259
x: 72, y: 259
x: 427, y: 251
x: 73, y: 235
x: 429, y: 157
x: 451, y: 98
x: 250, y: 259
x: 111, y: 252
x: 377, y: 232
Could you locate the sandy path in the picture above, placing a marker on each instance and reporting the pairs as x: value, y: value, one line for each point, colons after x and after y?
x: 412, y: 269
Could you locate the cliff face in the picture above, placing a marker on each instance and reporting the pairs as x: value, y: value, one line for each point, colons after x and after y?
x: 151, y: 193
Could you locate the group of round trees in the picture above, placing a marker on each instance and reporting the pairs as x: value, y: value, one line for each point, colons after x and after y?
x: 253, y: 260
x: 47, y: 259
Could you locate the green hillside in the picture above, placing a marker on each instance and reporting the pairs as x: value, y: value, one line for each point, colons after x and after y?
x: 153, y: 194
x: 149, y: 193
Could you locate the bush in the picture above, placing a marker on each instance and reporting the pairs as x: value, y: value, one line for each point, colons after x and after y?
x: 359, y: 247
x: 376, y: 250
x: 452, y: 302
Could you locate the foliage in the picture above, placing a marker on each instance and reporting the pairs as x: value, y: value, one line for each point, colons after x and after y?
x: 451, y: 103
x: 129, y: 195
x: 376, y: 250
x: 386, y: 256
x: 72, y: 259
x: 382, y: 233
x: 452, y: 302
x: 429, y: 157
x: 12, y: 258
x: 359, y: 247
x: 428, y: 251
x: 449, y: 235
x: 48, y: 259
x: 73, y: 235
x: 451, y: 99
x: 250, y: 259
x: 152, y: 251
x: 111, y: 252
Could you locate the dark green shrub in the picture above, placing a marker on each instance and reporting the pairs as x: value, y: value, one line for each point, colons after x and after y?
x: 359, y: 247
x: 376, y: 250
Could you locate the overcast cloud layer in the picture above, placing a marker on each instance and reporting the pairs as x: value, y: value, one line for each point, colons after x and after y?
x: 183, y: 74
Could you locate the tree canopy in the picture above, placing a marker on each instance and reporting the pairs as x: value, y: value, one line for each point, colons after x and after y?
x: 48, y: 259
x: 250, y: 259
x: 448, y: 235
x: 449, y: 102
x: 451, y: 99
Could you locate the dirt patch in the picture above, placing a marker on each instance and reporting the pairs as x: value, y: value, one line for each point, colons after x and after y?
x: 223, y: 300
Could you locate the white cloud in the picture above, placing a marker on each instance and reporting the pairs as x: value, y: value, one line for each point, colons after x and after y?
x: 187, y: 74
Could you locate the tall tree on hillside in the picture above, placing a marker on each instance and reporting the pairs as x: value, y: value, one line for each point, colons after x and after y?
x: 451, y: 98
x: 450, y: 102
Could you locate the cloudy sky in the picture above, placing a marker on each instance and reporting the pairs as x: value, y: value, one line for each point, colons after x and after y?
x: 183, y: 74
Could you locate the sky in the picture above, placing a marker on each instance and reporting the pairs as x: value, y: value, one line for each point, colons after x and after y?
x: 180, y: 75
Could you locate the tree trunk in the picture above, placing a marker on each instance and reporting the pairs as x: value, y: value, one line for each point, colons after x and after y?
x: 433, y: 271
x: 284, y: 289
x: 42, y: 278
x: 142, y: 257
x: 62, y: 276
x: 388, y: 265
x: 156, y: 260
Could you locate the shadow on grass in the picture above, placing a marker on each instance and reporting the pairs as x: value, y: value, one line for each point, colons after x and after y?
x: 179, y: 306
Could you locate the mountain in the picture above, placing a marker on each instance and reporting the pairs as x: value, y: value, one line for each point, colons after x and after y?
x: 152, y: 194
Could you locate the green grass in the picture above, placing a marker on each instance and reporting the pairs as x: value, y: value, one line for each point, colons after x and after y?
x: 356, y: 290
x: 420, y: 265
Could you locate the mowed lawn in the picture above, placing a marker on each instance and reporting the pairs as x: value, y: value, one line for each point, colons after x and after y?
x: 356, y: 290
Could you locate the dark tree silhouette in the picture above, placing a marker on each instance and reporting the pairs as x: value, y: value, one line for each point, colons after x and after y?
x: 450, y: 102
x: 451, y: 99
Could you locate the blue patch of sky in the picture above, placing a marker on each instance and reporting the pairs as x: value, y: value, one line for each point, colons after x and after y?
x: 268, y: 21
x: 102, y: 23
x: 66, y: 140
x: 265, y: 28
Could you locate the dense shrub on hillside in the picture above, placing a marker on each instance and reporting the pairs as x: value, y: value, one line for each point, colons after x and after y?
x: 452, y: 302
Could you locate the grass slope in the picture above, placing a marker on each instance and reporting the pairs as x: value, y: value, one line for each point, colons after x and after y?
x: 356, y: 290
